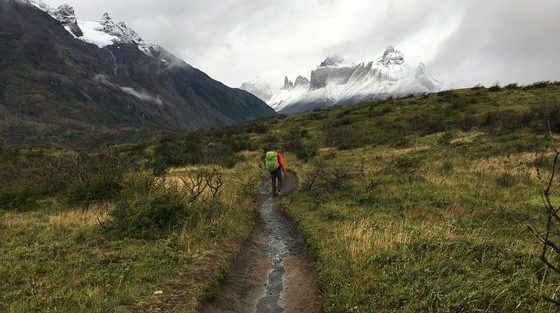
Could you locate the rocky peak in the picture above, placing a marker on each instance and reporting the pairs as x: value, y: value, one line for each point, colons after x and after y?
x: 288, y: 84
x: 301, y: 81
x: 66, y: 15
x: 333, y: 60
x: 126, y: 34
x: 119, y: 30
x: 391, y: 56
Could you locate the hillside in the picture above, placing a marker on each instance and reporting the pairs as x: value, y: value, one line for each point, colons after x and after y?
x: 419, y: 204
x: 58, y: 89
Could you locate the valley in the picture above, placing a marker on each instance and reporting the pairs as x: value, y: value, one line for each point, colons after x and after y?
x: 420, y: 203
x: 133, y: 181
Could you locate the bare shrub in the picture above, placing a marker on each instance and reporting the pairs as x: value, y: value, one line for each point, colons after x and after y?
x: 201, y: 184
x: 337, y: 178
x: 550, y: 236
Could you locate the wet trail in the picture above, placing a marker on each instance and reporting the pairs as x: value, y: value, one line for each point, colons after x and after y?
x: 274, y: 273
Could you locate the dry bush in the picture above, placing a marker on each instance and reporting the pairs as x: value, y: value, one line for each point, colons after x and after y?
x: 200, y: 184
x: 550, y: 236
x: 336, y: 178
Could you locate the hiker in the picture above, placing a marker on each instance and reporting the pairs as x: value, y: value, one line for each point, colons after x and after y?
x: 275, y: 164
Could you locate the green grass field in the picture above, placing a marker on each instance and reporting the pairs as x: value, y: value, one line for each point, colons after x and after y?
x: 420, y: 204
x: 58, y: 258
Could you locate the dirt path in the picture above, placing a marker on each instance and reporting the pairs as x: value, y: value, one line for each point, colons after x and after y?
x: 274, y: 272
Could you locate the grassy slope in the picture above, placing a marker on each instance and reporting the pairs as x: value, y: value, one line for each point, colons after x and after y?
x: 444, y: 227
x: 57, y: 259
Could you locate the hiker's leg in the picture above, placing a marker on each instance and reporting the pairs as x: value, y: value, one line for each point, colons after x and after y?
x: 280, y: 180
x: 273, y: 177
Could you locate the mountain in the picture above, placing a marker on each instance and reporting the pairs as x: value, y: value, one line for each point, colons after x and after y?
x: 335, y: 82
x: 262, y: 92
x: 64, y: 81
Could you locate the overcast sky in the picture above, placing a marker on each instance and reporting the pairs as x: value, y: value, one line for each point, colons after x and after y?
x: 462, y: 42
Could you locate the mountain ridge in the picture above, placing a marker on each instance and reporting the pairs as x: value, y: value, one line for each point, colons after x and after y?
x: 335, y: 82
x: 57, y: 89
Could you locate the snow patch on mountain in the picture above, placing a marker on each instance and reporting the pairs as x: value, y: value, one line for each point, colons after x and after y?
x: 335, y: 82
x: 93, y: 35
x: 102, y: 33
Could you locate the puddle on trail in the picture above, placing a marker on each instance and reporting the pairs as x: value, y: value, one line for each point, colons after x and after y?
x: 273, y: 274
x: 283, y: 242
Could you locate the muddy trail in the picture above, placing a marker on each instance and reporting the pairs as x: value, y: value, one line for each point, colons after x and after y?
x: 274, y: 272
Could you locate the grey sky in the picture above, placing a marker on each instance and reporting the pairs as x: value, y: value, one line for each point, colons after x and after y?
x: 462, y: 42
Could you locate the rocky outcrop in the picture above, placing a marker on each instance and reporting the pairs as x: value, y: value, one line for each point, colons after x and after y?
x: 65, y: 14
x: 288, y: 84
x: 301, y: 82
x: 322, y: 76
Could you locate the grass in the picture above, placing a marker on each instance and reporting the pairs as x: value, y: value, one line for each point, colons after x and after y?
x: 445, y: 226
x: 451, y: 238
x: 436, y: 220
x: 59, y: 259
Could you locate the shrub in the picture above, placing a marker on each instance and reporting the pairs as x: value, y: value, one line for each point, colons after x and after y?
x: 541, y: 84
x: 307, y: 150
x: 468, y: 122
x: 506, y: 180
x: 548, y: 117
x: 401, y: 141
x: 330, y: 178
x: 495, y: 87
x: 407, y: 167
x: 406, y: 163
x: 158, y: 166
x: 317, y: 115
x: 257, y: 128
x: 511, y: 86
x: 92, y: 191
x: 340, y: 138
x: 427, y: 123
x: 477, y: 87
x: 147, y: 211
x: 445, y: 138
x: 179, y: 152
x: 18, y: 196
x: 505, y: 120
x: 343, y: 121
x: 96, y: 177
x: 447, y: 166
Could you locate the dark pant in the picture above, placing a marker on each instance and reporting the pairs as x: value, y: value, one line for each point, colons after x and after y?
x: 276, y: 175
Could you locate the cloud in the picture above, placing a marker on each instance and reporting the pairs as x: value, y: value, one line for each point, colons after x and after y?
x: 462, y: 42
x: 139, y: 94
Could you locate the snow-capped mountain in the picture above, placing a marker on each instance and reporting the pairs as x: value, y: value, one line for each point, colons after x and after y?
x: 101, y: 33
x: 335, y: 82
x: 65, y: 79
